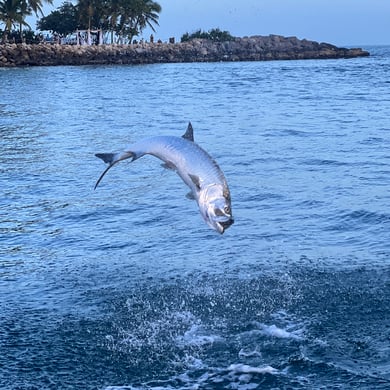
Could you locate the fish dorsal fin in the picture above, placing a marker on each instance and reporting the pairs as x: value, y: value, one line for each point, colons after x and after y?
x: 189, y: 134
x: 195, y: 179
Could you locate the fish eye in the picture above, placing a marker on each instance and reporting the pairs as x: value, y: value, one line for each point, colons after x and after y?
x: 227, y: 209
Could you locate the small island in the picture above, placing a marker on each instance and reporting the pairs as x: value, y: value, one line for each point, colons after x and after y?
x: 255, y: 48
x: 87, y: 33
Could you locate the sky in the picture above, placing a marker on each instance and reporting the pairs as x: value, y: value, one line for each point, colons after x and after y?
x: 340, y: 22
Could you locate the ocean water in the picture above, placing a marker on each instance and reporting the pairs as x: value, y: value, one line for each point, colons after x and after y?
x: 126, y: 287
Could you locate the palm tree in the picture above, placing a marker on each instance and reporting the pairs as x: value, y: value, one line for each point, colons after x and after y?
x: 14, y: 12
x: 113, y: 12
x: 148, y: 14
x: 135, y: 15
x: 86, y: 11
x: 93, y: 13
x: 127, y: 18
x: 36, y: 6
x: 11, y: 14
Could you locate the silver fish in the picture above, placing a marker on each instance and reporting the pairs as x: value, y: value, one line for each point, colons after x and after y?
x: 196, y: 168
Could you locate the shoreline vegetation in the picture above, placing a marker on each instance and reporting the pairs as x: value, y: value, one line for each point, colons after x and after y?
x: 255, y: 48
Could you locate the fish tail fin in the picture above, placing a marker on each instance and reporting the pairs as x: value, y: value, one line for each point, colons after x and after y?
x: 112, y: 159
x: 106, y: 157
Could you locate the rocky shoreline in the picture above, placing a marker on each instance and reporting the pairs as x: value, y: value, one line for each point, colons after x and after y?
x: 256, y: 48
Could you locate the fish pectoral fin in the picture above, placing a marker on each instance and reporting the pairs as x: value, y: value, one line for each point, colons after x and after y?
x: 190, y: 196
x: 189, y: 134
x: 169, y: 165
x: 195, y: 179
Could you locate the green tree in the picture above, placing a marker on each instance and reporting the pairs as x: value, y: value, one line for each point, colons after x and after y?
x: 35, y: 6
x: 92, y: 13
x: 148, y: 15
x: 11, y: 14
x: 126, y: 18
x: 14, y: 12
x: 29, y: 7
x: 135, y: 16
x: 214, y: 34
x: 113, y: 12
x: 63, y: 21
x: 27, y: 36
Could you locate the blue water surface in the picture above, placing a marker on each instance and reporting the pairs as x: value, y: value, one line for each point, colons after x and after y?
x: 126, y: 287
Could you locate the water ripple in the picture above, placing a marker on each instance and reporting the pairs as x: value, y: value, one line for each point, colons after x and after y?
x: 127, y: 287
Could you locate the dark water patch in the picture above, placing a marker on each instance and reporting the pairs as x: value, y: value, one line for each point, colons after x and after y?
x: 359, y: 219
x: 294, y: 329
x: 324, y: 162
x: 345, y: 300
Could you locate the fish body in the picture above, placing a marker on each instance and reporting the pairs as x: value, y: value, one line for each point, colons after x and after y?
x: 195, y: 167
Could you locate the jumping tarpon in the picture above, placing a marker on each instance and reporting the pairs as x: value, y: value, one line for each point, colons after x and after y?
x: 194, y: 165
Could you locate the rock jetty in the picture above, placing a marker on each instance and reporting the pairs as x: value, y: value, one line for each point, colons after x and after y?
x: 256, y: 48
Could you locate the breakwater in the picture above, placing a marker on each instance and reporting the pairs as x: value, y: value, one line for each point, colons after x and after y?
x: 256, y: 48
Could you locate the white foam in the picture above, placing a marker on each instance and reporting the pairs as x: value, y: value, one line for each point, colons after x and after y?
x: 193, y: 362
x: 246, y: 369
x: 249, y: 353
x: 274, y: 331
x: 195, y: 337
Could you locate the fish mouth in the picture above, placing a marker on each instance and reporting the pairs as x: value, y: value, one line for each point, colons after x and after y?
x: 225, y: 224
